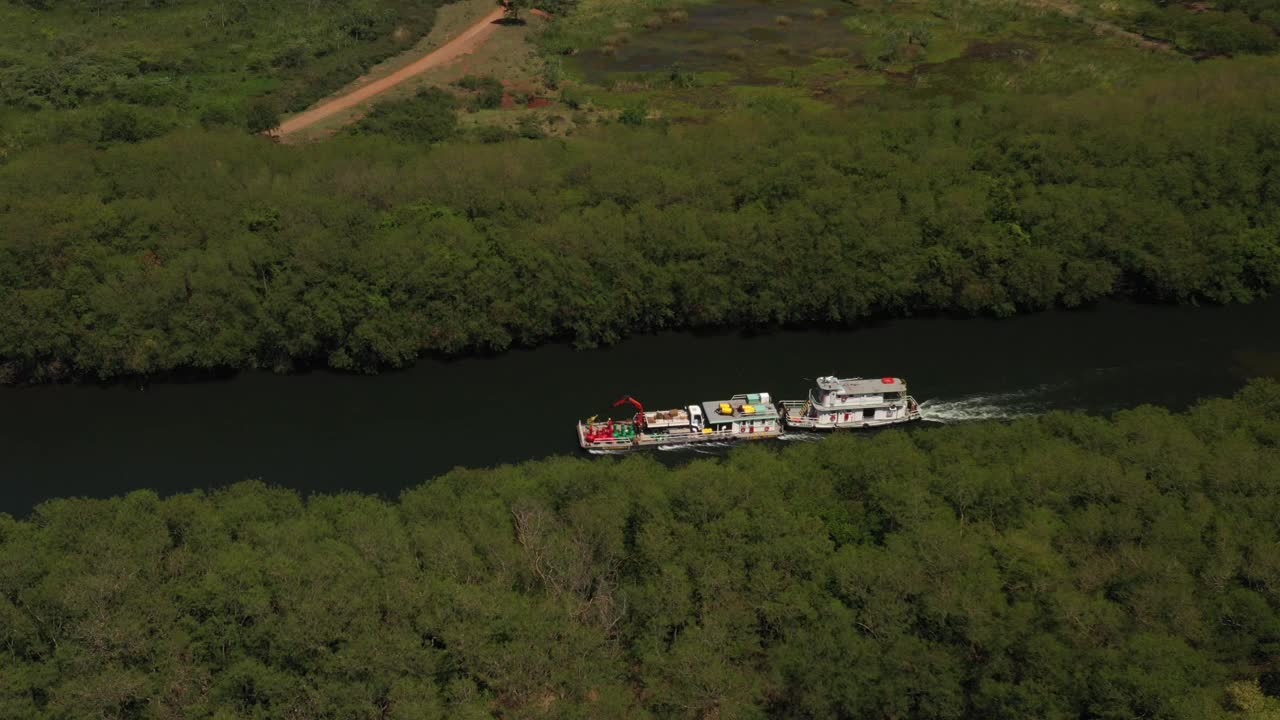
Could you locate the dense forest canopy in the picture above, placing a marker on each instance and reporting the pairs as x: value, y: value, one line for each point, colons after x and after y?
x: 1064, y: 566
x: 205, y: 249
x: 1232, y: 26
x: 143, y: 230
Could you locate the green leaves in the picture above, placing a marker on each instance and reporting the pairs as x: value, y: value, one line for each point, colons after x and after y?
x: 208, y: 249
x: 430, y: 116
x: 1055, y: 567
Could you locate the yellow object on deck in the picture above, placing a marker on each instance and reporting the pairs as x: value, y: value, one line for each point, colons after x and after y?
x: 748, y: 409
x: 726, y: 409
x: 707, y: 431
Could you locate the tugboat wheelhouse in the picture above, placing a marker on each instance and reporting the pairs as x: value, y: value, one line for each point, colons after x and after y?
x: 836, y: 403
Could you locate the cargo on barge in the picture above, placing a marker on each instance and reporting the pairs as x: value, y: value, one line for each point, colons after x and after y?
x: 838, y: 403
x: 750, y: 416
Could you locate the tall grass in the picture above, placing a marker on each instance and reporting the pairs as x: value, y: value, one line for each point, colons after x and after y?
x: 593, y: 21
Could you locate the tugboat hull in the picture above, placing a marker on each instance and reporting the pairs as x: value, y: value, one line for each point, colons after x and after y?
x: 805, y: 423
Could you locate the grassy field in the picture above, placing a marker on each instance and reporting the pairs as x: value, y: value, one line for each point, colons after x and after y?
x: 71, y: 73
x: 682, y: 63
x: 79, y: 74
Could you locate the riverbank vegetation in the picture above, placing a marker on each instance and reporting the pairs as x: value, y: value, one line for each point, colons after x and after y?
x: 900, y: 165
x: 1227, y: 28
x: 1065, y: 566
x: 213, y: 249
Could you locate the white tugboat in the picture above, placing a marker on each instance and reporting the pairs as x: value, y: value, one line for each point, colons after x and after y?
x: 741, y: 417
x: 838, y: 403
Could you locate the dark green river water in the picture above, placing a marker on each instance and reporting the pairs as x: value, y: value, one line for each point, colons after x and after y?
x: 323, y: 431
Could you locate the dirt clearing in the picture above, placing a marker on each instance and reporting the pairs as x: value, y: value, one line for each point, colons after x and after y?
x: 463, y: 43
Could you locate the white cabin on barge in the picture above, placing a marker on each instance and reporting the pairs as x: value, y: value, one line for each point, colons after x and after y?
x: 837, y: 403
x: 743, y: 417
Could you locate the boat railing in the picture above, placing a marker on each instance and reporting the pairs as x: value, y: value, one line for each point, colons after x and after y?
x: 689, y: 437
x: 800, y: 406
x: 712, y: 434
x: 685, y: 437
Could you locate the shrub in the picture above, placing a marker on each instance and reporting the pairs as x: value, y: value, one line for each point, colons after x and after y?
x: 574, y: 96
x: 430, y: 116
x: 492, y: 134
x: 552, y: 73
x: 217, y: 114
x: 488, y: 90
x: 634, y: 114
x: 119, y: 123
x: 676, y: 77
x: 261, y: 116
x: 531, y: 126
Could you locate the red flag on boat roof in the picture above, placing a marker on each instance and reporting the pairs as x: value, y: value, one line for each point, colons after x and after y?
x: 888, y: 381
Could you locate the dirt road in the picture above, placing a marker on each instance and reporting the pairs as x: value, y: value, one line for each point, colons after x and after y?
x: 466, y: 41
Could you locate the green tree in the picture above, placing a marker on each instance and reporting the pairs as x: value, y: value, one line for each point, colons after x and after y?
x: 513, y: 8
x: 120, y: 123
x: 261, y: 116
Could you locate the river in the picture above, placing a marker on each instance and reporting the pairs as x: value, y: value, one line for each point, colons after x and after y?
x: 323, y: 431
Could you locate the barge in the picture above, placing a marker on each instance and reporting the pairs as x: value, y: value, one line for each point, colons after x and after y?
x: 838, y: 403
x: 750, y: 416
